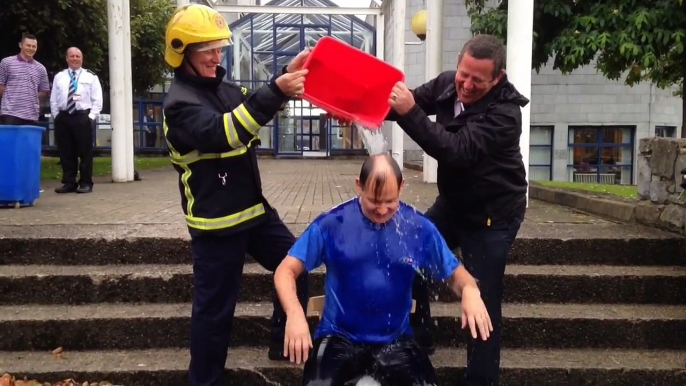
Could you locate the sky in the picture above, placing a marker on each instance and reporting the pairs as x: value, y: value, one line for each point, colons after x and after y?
x: 352, y: 3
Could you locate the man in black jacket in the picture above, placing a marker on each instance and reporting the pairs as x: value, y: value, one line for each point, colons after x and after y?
x: 481, y: 178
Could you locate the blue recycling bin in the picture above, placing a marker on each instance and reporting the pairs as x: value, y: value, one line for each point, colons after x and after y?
x: 20, y: 161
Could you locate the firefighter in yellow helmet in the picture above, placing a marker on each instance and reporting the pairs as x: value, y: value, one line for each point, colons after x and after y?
x: 212, y: 127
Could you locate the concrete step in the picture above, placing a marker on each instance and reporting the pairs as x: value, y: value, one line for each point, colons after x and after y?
x: 128, y: 326
x: 49, y: 284
x: 567, y: 247
x: 250, y: 367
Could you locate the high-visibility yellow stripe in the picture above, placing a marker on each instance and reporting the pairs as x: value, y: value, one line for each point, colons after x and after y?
x: 172, y: 151
x: 195, y: 156
x: 226, y: 221
x: 190, y: 200
x: 231, y: 133
x: 183, y: 161
x: 252, y: 121
x: 246, y: 119
x: 185, y: 176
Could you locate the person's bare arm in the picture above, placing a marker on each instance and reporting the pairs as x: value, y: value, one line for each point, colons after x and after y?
x: 284, y: 280
x: 474, y: 311
x: 461, y: 279
x: 297, y: 341
x: 44, y: 85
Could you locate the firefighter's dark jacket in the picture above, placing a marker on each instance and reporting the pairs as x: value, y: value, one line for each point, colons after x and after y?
x: 212, y: 127
x: 481, y: 177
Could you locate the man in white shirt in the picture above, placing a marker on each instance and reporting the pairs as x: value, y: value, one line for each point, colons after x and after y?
x: 75, y: 103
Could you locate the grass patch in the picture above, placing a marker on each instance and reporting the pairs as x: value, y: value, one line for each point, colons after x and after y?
x: 626, y: 191
x: 102, y: 166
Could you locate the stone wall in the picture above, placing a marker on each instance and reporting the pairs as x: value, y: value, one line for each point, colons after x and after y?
x: 660, y: 163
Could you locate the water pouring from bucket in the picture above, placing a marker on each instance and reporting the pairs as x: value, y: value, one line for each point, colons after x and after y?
x: 374, y: 140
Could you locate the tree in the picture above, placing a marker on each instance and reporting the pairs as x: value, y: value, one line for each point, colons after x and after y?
x: 60, y: 24
x: 639, y: 40
x: 148, y: 25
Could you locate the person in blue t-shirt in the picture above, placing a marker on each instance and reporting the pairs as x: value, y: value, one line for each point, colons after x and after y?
x: 372, y: 247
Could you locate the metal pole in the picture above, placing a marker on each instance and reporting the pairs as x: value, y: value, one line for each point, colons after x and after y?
x: 397, y: 134
x: 520, y: 26
x: 115, y: 30
x: 278, y: 9
x: 434, y: 66
x: 181, y: 3
x: 128, y: 90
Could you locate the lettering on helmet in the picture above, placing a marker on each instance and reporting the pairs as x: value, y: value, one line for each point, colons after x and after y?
x: 219, y: 21
x: 244, y: 91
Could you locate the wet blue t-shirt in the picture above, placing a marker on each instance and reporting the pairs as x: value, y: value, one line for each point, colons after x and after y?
x: 370, y: 268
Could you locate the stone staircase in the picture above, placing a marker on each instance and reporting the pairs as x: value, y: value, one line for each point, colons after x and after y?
x: 579, y: 310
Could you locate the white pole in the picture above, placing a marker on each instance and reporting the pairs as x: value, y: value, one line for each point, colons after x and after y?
x: 397, y: 134
x: 181, y: 3
x: 128, y: 90
x: 520, y: 26
x: 115, y: 30
x: 434, y: 65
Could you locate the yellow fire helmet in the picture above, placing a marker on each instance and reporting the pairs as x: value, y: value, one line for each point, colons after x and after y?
x: 194, y: 24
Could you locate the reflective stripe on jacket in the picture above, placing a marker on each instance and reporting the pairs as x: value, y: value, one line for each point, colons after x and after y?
x: 212, y: 128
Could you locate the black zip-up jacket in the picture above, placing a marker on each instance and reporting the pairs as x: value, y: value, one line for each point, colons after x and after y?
x: 212, y: 127
x: 481, y: 178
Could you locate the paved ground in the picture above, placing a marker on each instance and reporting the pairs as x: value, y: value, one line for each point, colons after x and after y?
x: 299, y: 189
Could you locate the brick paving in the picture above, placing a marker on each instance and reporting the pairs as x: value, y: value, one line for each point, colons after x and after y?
x: 299, y: 189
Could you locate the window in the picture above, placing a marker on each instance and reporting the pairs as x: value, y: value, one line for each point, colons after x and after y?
x: 601, y: 154
x: 665, y: 131
x: 541, y: 153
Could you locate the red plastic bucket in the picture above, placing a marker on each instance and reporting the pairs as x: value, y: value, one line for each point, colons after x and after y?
x: 349, y: 83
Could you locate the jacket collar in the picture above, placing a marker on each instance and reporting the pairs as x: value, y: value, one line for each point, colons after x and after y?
x: 503, y: 91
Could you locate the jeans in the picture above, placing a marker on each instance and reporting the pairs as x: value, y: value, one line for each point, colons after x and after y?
x: 484, y: 253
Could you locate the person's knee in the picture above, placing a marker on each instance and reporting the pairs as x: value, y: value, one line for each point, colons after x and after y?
x: 335, y: 361
x: 404, y: 363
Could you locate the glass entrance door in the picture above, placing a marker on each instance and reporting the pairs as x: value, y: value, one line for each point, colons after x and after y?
x: 312, y: 137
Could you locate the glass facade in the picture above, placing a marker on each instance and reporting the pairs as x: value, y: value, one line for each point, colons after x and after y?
x: 541, y: 153
x: 601, y: 154
x: 264, y: 43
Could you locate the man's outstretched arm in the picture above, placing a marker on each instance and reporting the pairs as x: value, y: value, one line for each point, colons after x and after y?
x: 284, y: 280
x: 446, y: 267
x: 474, y: 311
x: 297, y: 341
x: 306, y: 254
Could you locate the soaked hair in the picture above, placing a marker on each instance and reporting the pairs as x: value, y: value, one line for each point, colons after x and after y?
x: 378, y: 177
x: 486, y: 47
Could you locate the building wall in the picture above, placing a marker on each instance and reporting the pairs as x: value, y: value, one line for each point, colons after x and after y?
x: 584, y: 97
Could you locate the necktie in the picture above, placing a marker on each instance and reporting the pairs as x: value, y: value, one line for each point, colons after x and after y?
x: 71, y: 104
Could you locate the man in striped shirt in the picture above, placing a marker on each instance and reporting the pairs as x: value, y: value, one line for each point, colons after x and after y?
x: 23, y: 80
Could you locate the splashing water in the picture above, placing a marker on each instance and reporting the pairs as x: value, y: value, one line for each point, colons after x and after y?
x: 373, y: 139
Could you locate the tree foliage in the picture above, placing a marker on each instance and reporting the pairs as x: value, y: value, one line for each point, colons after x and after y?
x: 638, y: 40
x: 60, y: 24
